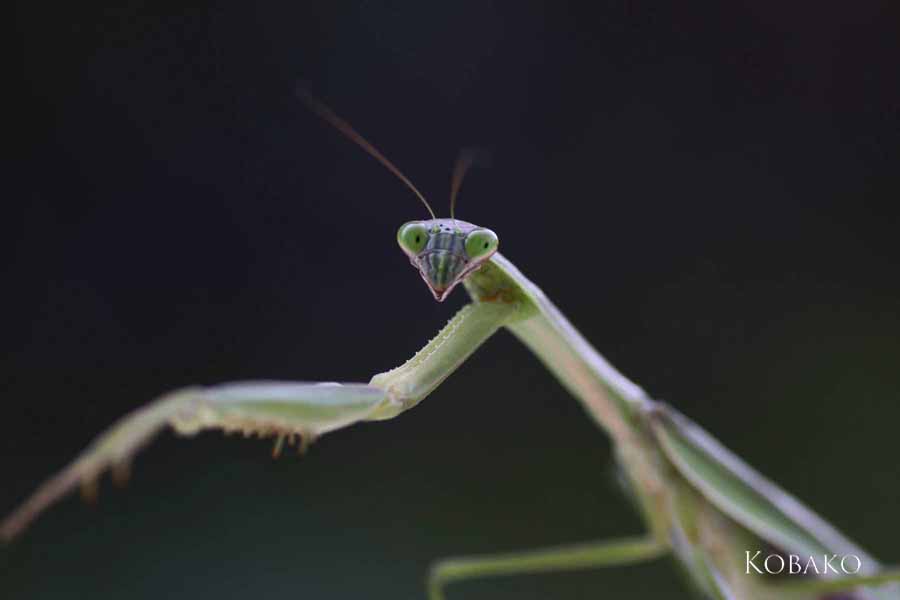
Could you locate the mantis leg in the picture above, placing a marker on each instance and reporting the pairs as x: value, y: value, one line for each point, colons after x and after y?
x: 269, y: 408
x: 590, y: 555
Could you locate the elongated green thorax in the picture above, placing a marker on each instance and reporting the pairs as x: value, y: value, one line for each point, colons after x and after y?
x: 445, y: 251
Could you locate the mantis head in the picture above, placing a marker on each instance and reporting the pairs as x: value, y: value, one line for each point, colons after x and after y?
x: 446, y: 251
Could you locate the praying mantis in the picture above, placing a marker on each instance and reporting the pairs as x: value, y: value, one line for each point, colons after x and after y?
x: 725, y: 523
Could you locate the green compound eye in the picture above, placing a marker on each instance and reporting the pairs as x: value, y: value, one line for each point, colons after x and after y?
x: 412, y: 237
x: 481, y: 242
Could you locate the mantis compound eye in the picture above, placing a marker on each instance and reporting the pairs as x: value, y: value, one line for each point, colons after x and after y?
x: 413, y: 237
x: 481, y: 242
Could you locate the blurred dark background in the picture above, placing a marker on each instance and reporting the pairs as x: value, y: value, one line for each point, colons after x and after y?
x: 708, y: 191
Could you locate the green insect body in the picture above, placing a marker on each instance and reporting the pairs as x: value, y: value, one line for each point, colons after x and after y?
x: 700, y: 502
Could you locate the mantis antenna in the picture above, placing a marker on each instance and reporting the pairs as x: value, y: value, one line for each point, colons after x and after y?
x: 344, y: 127
x: 465, y: 160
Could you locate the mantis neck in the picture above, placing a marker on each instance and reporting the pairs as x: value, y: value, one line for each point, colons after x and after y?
x: 612, y: 400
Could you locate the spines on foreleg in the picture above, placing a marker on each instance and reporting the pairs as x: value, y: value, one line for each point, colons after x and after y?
x: 295, y: 412
x: 113, y: 448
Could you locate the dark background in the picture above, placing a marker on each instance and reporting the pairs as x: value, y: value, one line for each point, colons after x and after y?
x: 708, y: 191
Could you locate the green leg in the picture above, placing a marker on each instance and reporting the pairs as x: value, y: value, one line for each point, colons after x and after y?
x: 284, y: 410
x: 717, y: 586
x: 562, y: 558
x: 409, y: 383
x: 815, y: 588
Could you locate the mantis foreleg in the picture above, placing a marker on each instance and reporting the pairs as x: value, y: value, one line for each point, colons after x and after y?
x: 281, y: 409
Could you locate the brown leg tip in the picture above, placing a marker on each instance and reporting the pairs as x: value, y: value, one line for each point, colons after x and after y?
x: 90, y: 491
x: 121, y: 473
x: 276, y: 450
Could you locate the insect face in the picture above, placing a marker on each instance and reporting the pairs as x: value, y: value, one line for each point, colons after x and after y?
x: 445, y: 251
